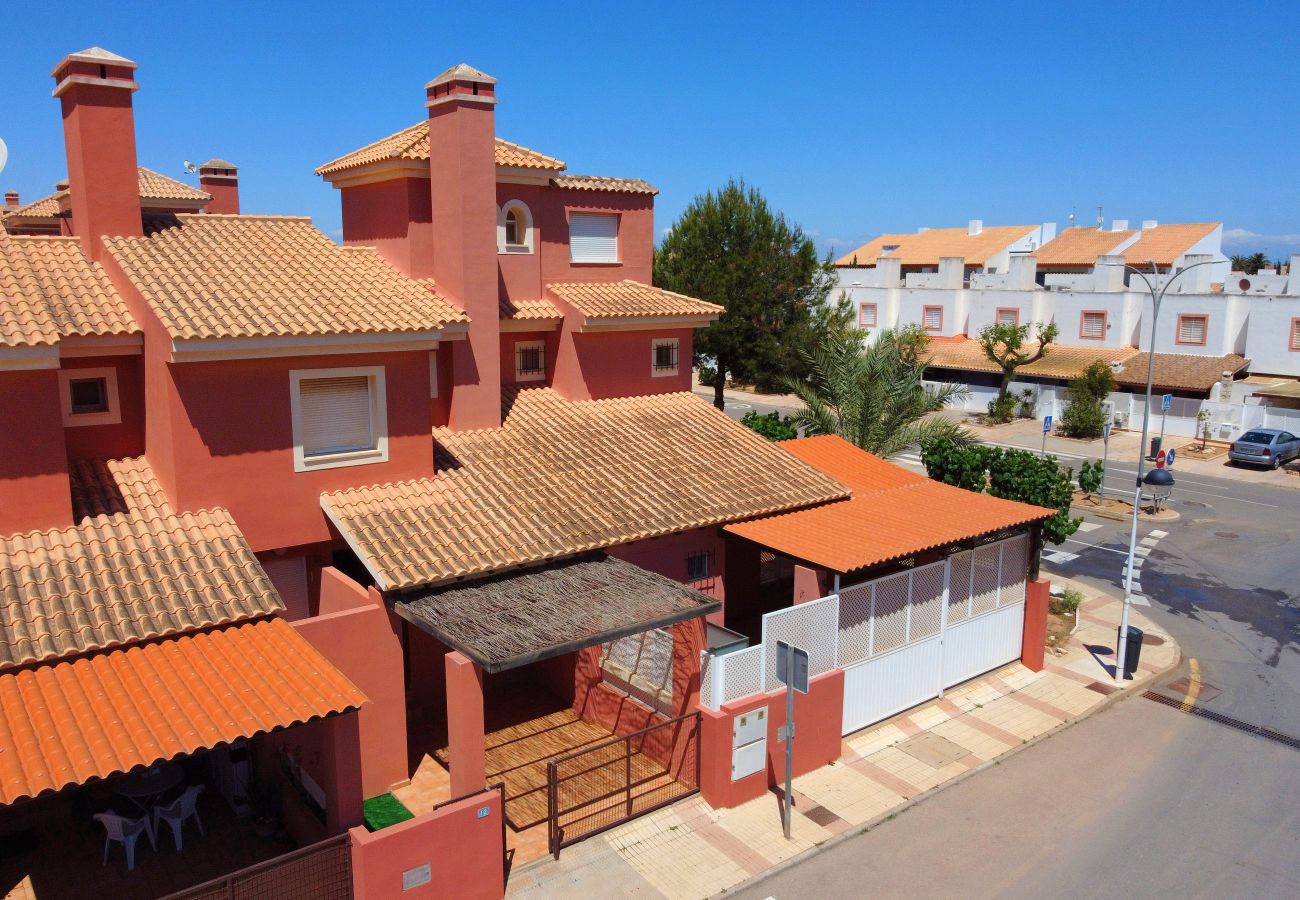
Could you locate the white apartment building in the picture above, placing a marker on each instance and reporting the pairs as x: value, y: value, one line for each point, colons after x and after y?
x: 1215, y: 327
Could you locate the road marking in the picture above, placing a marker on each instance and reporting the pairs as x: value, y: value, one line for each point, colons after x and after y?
x: 1158, y: 534
x: 1139, y: 599
x: 1193, y: 685
x: 1060, y: 557
x: 1085, y: 527
x: 1096, y: 546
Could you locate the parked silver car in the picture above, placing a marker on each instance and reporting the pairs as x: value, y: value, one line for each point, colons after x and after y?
x: 1265, y: 447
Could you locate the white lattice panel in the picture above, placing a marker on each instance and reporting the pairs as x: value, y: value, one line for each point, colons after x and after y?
x: 927, y: 602
x: 959, y: 583
x: 1015, y: 566
x: 891, y: 613
x: 706, y: 681
x: 984, y: 588
x: 855, y: 624
x: 742, y: 673
x: 810, y: 626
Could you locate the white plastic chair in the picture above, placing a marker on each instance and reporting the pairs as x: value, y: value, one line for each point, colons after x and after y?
x: 124, y: 831
x: 179, y: 811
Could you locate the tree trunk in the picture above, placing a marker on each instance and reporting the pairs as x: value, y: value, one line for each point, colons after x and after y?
x: 719, y: 385
x: 1007, y: 375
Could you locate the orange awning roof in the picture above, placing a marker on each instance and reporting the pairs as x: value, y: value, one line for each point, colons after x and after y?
x: 106, y: 713
x: 892, y: 514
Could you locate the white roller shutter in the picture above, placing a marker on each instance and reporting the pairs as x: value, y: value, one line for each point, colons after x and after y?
x: 593, y: 238
x: 1093, y: 325
x: 1191, y: 329
x: 932, y: 318
x: 336, y: 415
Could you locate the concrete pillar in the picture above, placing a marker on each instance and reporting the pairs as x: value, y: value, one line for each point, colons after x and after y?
x: 465, y: 748
x: 809, y: 584
x: 342, y: 760
x: 1035, y: 634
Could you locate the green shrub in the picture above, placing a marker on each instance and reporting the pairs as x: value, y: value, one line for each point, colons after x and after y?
x: 772, y: 426
x: 1068, y: 603
x: 1090, y: 477
x: 708, y: 374
x: 384, y: 810
x: 1028, y: 404
x: 1002, y: 409
x: 1082, y: 416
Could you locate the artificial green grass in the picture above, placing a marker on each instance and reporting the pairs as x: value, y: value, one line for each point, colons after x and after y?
x: 385, y: 810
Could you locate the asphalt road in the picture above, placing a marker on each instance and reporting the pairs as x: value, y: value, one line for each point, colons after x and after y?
x: 1140, y: 800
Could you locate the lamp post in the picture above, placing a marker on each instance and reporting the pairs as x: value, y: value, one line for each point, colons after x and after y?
x: 1157, y: 294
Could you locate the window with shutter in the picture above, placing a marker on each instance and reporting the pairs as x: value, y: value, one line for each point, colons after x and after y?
x: 867, y: 315
x: 932, y: 318
x: 1008, y: 316
x: 593, y: 238
x: 339, y: 417
x: 1295, y: 334
x: 1192, y: 329
x: 1092, y: 325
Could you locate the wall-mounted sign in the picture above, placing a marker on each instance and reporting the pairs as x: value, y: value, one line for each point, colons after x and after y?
x: 414, y: 878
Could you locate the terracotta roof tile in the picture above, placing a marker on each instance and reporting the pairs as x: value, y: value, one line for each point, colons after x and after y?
x: 561, y: 477
x: 630, y: 299
x: 100, y: 715
x: 44, y: 208
x: 1179, y: 371
x: 108, y: 487
x: 892, y: 515
x: 926, y: 248
x: 155, y: 188
x: 50, y: 289
x: 599, y: 183
x: 529, y: 311
x: 1080, y: 246
x: 1166, y: 243
x: 413, y: 144
x: 124, y: 576
x: 217, y: 276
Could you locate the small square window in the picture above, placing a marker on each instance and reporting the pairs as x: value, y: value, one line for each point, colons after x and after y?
x: 932, y: 318
x: 867, y: 315
x: 1008, y: 316
x: 1192, y: 329
x: 1092, y: 325
x: 698, y: 566
x: 530, y: 361
x: 663, y: 357
x: 88, y: 395
x: 339, y: 417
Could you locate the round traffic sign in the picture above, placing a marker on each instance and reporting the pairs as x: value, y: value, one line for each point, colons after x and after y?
x: 1169, y: 459
x: 1160, y: 460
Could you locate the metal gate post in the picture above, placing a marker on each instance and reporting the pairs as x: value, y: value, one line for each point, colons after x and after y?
x: 627, y: 780
x: 552, y: 811
x: 943, y: 621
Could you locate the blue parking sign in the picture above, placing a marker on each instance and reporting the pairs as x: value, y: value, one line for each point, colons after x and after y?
x: 1047, y: 424
x: 1166, y: 402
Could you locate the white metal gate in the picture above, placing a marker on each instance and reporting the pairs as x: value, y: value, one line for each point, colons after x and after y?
x: 906, y: 637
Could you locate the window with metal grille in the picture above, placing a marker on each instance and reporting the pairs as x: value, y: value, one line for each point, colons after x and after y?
x: 663, y: 356
x: 1092, y: 324
x: 1192, y: 329
x: 530, y: 361
x: 698, y: 566
x: 88, y: 395
x: 593, y: 238
x: 932, y: 318
x: 867, y: 315
x: 339, y: 417
x: 1008, y: 316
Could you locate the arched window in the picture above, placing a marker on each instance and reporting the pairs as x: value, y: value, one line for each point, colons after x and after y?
x: 515, y: 228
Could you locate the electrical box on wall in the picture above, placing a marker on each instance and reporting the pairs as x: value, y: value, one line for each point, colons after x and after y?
x: 749, y: 743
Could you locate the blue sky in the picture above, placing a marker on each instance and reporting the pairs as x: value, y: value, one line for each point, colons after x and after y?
x: 854, y: 119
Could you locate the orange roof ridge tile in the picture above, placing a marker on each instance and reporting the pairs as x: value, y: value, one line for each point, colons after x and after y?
x: 630, y: 299
x: 412, y: 143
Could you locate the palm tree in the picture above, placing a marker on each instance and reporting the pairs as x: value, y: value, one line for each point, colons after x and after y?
x: 874, y: 397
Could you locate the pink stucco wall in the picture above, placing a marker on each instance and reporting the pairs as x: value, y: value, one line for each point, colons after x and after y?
x: 395, y: 218
x: 125, y: 438
x: 355, y: 634
x: 667, y: 556
x: 462, y: 843
x: 34, y: 489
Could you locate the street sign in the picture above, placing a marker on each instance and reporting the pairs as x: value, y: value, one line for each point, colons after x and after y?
x: 1047, y: 424
x: 1166, y: 402
x: 1169, y: 459
x: 1105, y: 433
x: 799, y: 679
x: 1160, y: 459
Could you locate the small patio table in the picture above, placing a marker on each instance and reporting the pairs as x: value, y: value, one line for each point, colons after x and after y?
x: 145, y: 787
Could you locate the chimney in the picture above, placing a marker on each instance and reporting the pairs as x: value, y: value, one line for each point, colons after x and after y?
x: 1119, y: 224
x: 220, y: 179
x: 1293, y: 275
x: 462, y: 182
x: 952, y: 272
x: 1148, y: 224
x: 1022, y: 272
x: 11, y: 199
x: 1197, y: 280
x: 974, y: 226
x: 95, y: 88
x: 1108, y: 274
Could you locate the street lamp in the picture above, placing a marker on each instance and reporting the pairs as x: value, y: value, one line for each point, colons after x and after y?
x: 1161, y: 484
x: 1157, y: 294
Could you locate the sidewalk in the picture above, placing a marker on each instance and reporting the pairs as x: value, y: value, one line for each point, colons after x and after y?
x: 691, y: 850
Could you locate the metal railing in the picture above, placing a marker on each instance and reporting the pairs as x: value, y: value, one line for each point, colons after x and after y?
x: 320, y: 871
x: 599, y: 787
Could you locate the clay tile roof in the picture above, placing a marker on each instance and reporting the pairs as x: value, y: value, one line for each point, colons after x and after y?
x: 599, y: 183
x: 156, y: 186
x: 74, y: 721
x: 560, y: 478
x: 631, y: 300
x: 892, y: 514
x: 926, y: 248
x: 123, y: 576
x: 44, y: 208
x: 529, y: 311
x: 50, y: 289
x: 1080, y: 246
x: 1179, y: 371
x: 220, y: 276
x: 413, y: 144
x: 1166, y: 243
x: 1061, y: 361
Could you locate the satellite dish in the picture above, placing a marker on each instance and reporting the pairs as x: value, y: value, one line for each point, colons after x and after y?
x: 190, y: 167
x: 4, y: 155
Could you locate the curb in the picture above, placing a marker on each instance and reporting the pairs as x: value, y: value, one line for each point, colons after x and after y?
x: 1172, y: 515
x: 1106, y: 702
